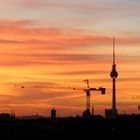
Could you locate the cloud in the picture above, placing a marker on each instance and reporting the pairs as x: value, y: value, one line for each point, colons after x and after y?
x: 23, y: 59
x: 86, y: 72
x: 41, y: 4
x: 27, y: 46
x: 3, y: 41
x: 24, y: 32
x: 17, y: 23
x: 88, y: 6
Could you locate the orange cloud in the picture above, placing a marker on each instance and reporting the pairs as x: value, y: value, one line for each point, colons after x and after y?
x: 21, y: 32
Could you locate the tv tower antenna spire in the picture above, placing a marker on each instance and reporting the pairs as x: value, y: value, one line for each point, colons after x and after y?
x: 113, y: 51
x: 114, y: 75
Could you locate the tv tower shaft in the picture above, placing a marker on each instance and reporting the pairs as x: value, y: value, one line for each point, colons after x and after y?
x: 114, y: 75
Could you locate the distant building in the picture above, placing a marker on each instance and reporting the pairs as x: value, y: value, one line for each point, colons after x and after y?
x: 92, y: 111
x: 109, y: 114
x: 138, y: 107
x: 13, y: 113
x: 87, y: 114
x: 6, y: 116
x: 53, y: 114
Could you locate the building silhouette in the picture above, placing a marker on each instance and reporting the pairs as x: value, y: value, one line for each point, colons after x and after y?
x: 87, y: 114
x: 53, y: 114
x: 92, y: 111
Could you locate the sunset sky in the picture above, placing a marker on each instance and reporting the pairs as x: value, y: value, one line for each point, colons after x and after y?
x: 59, y: 43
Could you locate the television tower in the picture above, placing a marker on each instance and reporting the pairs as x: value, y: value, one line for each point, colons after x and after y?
x: 114, y: 75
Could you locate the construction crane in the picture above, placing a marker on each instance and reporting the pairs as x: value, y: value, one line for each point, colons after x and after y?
x: 88, y: 90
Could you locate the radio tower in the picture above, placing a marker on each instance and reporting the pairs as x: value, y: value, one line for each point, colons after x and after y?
x: 114, y: 75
